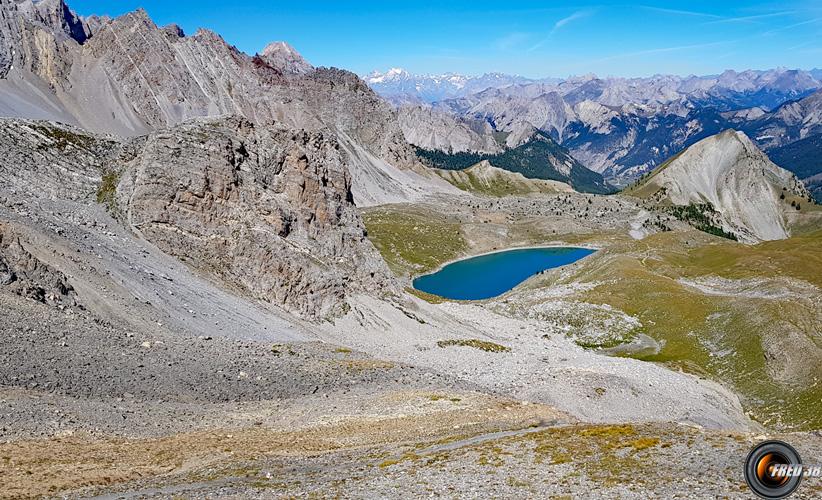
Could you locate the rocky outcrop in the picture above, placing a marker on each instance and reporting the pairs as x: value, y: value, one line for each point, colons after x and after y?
x: 23, y: 274
x: 266, y: 209
x: 42, y: 160
x: 738, y: 180
x: 282, y: 56
x: 793, y: 121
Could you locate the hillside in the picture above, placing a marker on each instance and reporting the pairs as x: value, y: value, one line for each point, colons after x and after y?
x: 725, y: 181
x: 128, y: 77
x: 539, y: 157
x: 487, y: 179
x: 208, y: 263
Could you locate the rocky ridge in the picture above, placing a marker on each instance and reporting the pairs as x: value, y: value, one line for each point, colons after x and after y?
x: 157, y: 77
x: 484, y: 178
x: 266, y: 209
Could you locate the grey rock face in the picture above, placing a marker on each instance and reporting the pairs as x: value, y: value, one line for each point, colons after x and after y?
x: 266, y: 209
x: 729, y: 172
x: 56, y: 15
x: 41, y: 160
x: 132, y: 77
x: 431, y: 128
x: 25, y: 275
x: 282, y: 56
x: 790, y: 122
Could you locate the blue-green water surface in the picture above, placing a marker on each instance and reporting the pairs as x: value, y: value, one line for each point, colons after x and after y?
x: 491, y: 275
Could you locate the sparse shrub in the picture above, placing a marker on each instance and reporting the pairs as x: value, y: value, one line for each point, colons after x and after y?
x: 701, y: 216
x: 475, y: 343
x: 108, y: 189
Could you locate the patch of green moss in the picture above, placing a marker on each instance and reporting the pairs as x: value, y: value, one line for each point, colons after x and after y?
x: 475, y: 343
x: 63, y: 138
x: 496, y: 184
x: 428, y: 297
x: 394, y: 461
x: 106, y: 193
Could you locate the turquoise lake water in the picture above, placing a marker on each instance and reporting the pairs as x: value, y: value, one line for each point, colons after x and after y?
x: 491, y: 275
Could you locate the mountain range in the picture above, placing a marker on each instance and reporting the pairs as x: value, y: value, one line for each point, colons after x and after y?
x: 767, y: 88
x: 128, y: 77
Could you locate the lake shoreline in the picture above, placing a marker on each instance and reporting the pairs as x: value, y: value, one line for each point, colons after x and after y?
x: 492, y: 252
x: 471, y: 278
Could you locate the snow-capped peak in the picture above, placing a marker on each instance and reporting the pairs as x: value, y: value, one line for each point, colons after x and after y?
x: 392, y: 75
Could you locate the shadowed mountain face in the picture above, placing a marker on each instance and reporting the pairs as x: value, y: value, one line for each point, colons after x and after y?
x: 536, y: 156
x: 804, y: 158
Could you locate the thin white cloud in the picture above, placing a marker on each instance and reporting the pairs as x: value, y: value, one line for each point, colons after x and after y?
x: 679, y: 12
x: 801, y: 45
x: 752, y: 19
x: 511, y: 40
x: 580, y: 14
x: 565, y: 21
x: 791, y: 26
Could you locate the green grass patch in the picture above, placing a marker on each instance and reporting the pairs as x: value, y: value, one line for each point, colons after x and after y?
x: 106, y: 193
x: 475, y: 343
x: 495, y: 183
x: 413, y: 240
x: 63, y: 138
x: 606, y: 454
x: 428, y: 297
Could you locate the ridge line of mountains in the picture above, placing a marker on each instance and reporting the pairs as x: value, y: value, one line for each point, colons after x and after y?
x: 621, y: 128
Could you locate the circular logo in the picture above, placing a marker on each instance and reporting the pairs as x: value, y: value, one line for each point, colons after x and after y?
x: 773, y: 469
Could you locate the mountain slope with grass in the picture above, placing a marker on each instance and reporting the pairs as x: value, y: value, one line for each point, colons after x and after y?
x: 485, y: 178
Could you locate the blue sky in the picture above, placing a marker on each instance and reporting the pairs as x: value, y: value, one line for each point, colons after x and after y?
x: 530, y: 38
